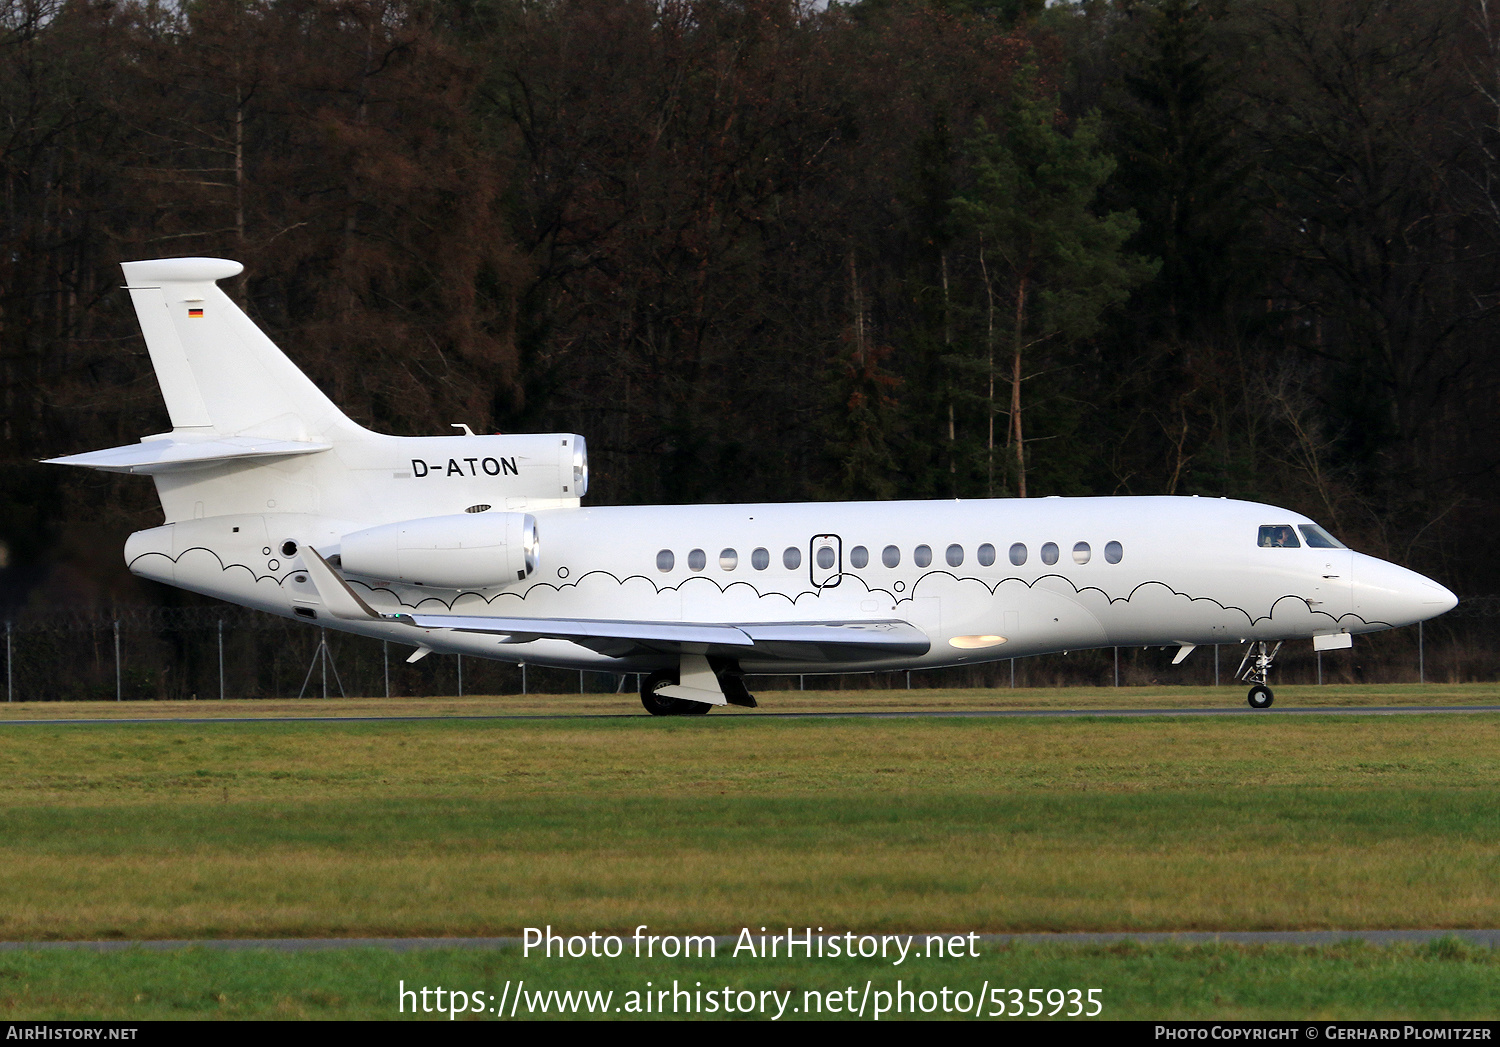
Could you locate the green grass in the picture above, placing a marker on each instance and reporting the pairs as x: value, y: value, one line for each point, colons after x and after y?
x: 1444, y: 980
x: 298, y: 829
x: 1230, y: 696
x: 479, y: 828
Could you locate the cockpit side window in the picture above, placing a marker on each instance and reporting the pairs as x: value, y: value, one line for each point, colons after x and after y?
x: 1317, y: 538
x: 1278, y: 536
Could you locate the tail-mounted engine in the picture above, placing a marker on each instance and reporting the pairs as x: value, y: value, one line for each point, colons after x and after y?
x: 466, y: 551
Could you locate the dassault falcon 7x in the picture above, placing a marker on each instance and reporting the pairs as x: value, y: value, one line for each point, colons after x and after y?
x: 480, y: 545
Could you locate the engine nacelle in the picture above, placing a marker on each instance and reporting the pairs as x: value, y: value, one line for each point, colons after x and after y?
x: 466, y: 551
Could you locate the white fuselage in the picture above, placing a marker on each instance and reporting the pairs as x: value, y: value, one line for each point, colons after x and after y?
x: 1188, y: 571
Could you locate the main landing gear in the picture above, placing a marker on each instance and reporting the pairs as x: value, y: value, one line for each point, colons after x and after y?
x: 1255, y: 669
x: 665, y: 705
x: 711, y: 677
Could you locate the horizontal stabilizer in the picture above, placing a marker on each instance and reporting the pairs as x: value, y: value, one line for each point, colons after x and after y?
x: 162, y: 455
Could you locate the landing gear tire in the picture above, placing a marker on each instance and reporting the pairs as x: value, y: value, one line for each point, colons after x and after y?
x: 1261, y: 697
x: 666, y: 705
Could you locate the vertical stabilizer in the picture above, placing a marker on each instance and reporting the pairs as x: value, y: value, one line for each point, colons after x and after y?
x: 219, y: 373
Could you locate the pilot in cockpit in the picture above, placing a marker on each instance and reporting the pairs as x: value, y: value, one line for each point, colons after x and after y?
x: 1278, y: 536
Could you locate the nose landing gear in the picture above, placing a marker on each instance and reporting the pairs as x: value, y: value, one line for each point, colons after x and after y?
x: 1255, y: 669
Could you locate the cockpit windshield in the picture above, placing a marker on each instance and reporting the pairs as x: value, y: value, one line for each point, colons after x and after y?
x: 1284, y: 536
x: 1317, y: 538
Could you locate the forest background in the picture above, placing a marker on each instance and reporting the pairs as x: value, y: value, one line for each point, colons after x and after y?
x: 755, y: 250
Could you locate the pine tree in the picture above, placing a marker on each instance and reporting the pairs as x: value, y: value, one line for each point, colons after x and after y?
x: 1049, y: 260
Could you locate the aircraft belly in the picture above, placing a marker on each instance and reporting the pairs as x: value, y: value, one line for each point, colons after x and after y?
x: 1046, y: 619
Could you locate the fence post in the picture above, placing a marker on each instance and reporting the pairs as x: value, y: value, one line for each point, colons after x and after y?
x: 460, y: 676
x: 523, y: 677
x: 1012, y: 674
x: 10, y: 694
x: 221, y: 659
x: 1421, y: 657
x: 1320, y: 668
x: 1117, y: 666
x: 385, y: 656
x: 1216, y: 665
x: 119, y: 691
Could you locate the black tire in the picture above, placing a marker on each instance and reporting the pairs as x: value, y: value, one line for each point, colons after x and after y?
x: 1260, y: 697
x: 665, y: 705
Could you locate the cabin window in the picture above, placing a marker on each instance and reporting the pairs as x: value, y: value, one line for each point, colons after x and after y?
x: 792, y: 558
x: 1081, y: 552
x: 890, y: 556
x: 728, y: 559
x: 955, y: 555
x: 825, y: 557
x: 1049, y: 553
x: 1278, y: 536
x: 760, y: 559
x: 1317, y: 538
x: 986, y: 555
x: 697, y: 560
x: 1018, y: 554
x: 1114, y: 552
x: 922, y: 555
x: 859, y: 557
x: 665, y: 561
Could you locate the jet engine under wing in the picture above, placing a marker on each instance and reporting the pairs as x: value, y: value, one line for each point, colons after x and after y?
x: 790, y: 640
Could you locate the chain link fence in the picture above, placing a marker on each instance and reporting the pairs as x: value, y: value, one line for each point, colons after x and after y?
x: 209, y: 652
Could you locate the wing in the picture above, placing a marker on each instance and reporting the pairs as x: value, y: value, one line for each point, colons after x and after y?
x: 827, y: 641
x: 791, y: 641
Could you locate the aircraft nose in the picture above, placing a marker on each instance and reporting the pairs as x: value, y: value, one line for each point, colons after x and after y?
x: 1438, y: 599
x: 1384, y: 592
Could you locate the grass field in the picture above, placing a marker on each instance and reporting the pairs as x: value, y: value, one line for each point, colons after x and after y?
x: 796, y: 701
x: 480, y: 827
x: 1443, y: 980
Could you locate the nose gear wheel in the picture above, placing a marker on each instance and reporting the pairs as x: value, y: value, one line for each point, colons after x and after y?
x: 1255, y: 669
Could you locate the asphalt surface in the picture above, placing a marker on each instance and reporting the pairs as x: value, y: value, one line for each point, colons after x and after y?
x: 1325, y: 710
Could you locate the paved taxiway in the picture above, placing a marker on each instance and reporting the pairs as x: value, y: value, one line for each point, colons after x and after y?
x: 1315, y: 710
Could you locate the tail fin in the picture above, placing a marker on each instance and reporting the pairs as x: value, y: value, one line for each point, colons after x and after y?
x: 219, y: 374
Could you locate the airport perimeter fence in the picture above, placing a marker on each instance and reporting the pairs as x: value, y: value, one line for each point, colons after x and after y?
x: 213, y: 652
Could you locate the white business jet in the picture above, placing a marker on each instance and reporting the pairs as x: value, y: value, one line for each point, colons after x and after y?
x: 480, y: 545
